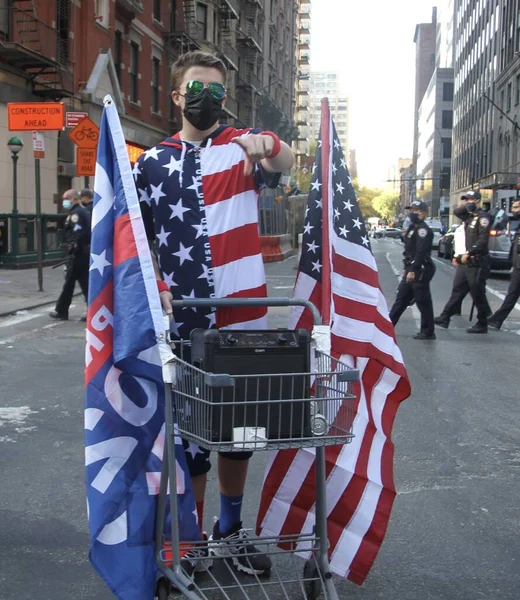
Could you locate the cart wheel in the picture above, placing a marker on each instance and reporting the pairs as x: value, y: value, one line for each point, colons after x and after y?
x: 162, y: 589
x: 312, y: 588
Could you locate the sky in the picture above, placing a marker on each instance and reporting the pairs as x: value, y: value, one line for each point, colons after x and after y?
x: 369, y: 43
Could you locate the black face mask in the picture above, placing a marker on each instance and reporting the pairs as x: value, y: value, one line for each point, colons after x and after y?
x: 414, y: 218
x: 203, y: 111
x: 471, y: 207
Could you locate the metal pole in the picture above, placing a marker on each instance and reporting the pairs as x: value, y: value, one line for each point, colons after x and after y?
x: 14, y: 222
x: 253, y: 106
x: 39, y: 247
x: 87, y: 181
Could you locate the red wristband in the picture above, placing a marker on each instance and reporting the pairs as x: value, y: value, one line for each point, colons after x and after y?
x: 277, y: 145
x: 162, y: 286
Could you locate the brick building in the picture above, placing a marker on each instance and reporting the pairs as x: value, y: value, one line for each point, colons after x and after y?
x: 79, y: 51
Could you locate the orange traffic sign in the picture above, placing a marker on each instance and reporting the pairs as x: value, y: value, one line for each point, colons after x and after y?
x: 31, y: 116
x: 85, y: 134
x: 86, y: 161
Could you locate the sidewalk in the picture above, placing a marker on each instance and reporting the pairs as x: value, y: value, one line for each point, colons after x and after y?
x: 19, y: 289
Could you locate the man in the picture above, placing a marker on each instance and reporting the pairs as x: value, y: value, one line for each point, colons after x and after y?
x: 472, y: 263
x: 418, y: 272
x: 77, y: 239
x: 513, y: 291
x: 199, y: 199
x: 87, y: 200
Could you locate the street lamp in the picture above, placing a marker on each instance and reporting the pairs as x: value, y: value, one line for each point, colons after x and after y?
x: 15, y: 144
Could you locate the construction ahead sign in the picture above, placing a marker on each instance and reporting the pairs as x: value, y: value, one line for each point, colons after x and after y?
x: 35, y: 116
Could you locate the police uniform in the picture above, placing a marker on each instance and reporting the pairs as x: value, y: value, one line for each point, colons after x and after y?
x: 77, y: 239
x: 417, y: 259
x: 513, y: 291
x: 471, y: 277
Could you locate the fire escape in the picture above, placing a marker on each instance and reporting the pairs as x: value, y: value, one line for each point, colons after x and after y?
x: 43, y: 54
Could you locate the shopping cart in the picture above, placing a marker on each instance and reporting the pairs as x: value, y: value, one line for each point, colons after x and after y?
x: 255, y: 412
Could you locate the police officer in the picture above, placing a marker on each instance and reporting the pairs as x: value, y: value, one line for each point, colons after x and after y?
x: 513, y: 291
x: 472, y: 263
x: 418, y: 272
x: 77, y: 239
x: 87, y: 200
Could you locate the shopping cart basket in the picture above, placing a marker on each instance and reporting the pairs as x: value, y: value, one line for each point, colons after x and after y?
x: 233, y: 413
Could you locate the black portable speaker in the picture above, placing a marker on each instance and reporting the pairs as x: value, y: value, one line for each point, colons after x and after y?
x: 267, y: 352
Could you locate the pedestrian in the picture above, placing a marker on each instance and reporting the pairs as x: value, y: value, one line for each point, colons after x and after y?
x: 513, y: 291
x: 77, y: 240
x: 87, y: 200
x: 418, y: 272
x: 471, y: 258
x: 199, y: 198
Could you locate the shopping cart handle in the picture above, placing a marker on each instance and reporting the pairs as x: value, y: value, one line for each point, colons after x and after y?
x: 244, y: 302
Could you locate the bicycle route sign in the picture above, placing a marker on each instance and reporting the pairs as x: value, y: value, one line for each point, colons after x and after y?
x: 85, y: 135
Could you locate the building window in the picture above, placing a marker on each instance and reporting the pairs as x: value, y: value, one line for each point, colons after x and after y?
x: 101, y: 9
x: 447, y: 119
x: 509, y: 96
x: 446, y: 147
x: 118, y: 52
x: 447, y: 92
x: 156, y: 66
x: 202, y: 20
x: 134, y: 70
x: 517, y: 89
x: 157, y: 10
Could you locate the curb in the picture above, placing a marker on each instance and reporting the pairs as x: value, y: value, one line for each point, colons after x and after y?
x: 12, y: 312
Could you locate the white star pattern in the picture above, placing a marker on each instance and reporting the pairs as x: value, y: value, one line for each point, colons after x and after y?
x: 316, y: 266
x: 173, y: 166
x: 337, y: 145
x: 343, y: 231
x: 212, y: 318
x: 364, y: 240
x: 205, y: 272
x: 199, y: 228
x: 334, y: 168
x: 136, y: 171
x: 313, y: 169
x: 312, y: 247
x: 307, y: 228
x: 162, y: 237
x: 195, y: 185
x: 178, y: 210
x: 348, y: 205
x: 99, y: 262
x: 191, y: 296
x: 168, y: 280
x: 340, y: 188
x: 343, y: 163
x: 336, y: 213
x: 152, y: 153
x: 184, y: 253
x: 316, y: 185
x: 144, y: 197
x: 175, y: 326
x: 157, y: 192
x: 319, y: 203
x: 357, y: 223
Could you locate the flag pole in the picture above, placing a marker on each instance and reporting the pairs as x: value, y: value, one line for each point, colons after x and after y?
x: 325, y: 179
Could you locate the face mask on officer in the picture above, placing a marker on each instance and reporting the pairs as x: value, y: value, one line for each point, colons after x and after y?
x: 471, y: 207
x: 414, y: 218
x: 67, y: 204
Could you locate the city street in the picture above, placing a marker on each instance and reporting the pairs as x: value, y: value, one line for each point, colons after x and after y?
x: 454, y: 528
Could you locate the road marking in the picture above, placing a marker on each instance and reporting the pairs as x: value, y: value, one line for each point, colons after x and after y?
x: 415, y: 311
x: 17, y: 319
x: 284, y: 287
x: 496, y: 293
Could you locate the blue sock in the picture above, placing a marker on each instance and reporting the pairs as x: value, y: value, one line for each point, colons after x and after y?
x: 230, y: 511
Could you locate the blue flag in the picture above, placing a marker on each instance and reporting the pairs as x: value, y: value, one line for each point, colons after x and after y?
x: 124, y: 388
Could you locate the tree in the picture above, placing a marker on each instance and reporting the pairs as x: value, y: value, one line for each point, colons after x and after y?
x: 365, y: 197
x: 385, y: 204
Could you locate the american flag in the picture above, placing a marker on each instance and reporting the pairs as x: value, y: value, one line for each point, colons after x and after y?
x: 124, y: 388
x: 338, y: 273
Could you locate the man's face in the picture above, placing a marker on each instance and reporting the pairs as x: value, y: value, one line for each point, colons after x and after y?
x: 516, y: 208
x: 68, y: 197
x: 205, y: 75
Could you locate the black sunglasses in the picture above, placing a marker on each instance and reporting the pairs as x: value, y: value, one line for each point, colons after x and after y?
x: 194, y: 88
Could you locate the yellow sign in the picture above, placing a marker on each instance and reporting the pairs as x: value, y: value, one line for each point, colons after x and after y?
x: 31, y: 116
x: 134, y: 152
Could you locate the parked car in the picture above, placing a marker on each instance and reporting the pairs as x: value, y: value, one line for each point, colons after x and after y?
x: 387, y: 232
x: 437, y: 234
x: 445, y: 246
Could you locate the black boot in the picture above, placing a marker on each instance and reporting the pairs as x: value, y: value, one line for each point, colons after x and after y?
x: 421, y: 335
x: 442, y: 321
x: 477, y: 328
x: 60, y: 317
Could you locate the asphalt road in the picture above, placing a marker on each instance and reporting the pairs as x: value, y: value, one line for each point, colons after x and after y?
x: 454, y: 529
